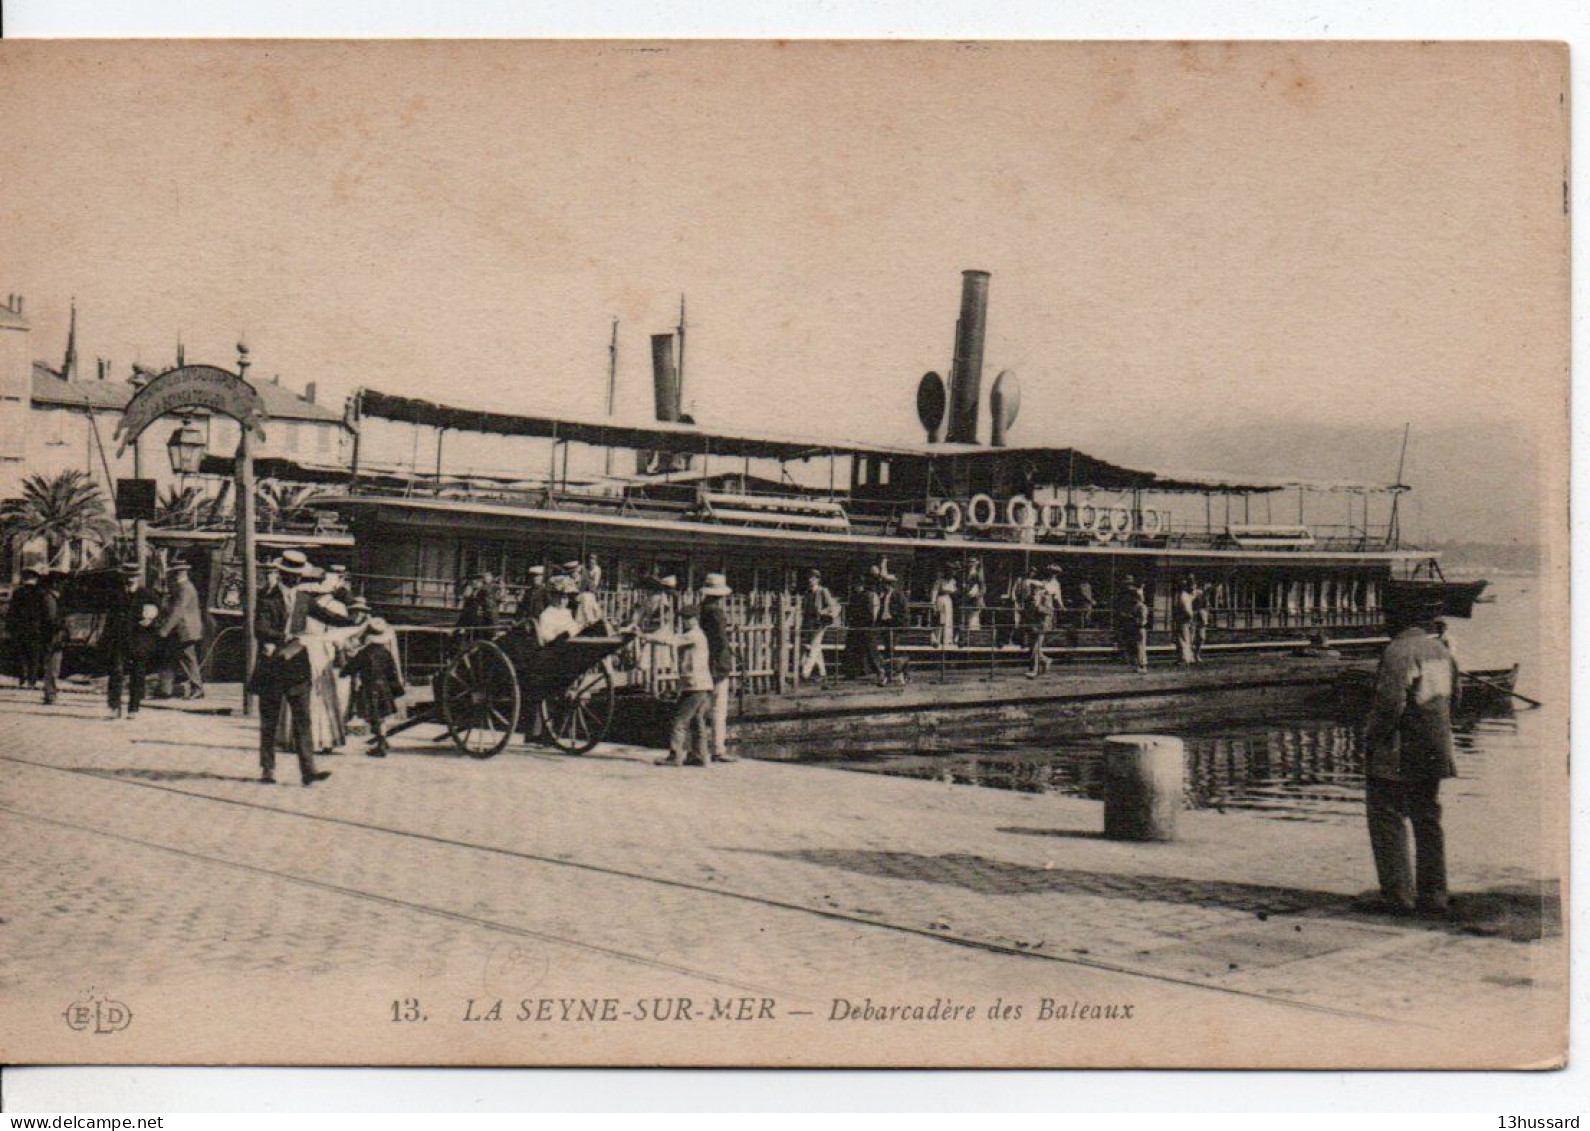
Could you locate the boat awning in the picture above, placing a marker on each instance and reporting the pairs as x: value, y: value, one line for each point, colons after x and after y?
x: 663, y: 437
x: 1045, y: 466
x: 1059, y: 467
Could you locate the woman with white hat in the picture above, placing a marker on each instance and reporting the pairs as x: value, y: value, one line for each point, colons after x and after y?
x: 323, y: 637
x: 557, y: 620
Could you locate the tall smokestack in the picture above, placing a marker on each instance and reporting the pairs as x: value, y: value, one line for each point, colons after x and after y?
x: 665, y: 377
x: 966, y: 379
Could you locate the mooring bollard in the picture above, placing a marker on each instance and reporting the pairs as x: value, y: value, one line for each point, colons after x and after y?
x: 1144, y: 777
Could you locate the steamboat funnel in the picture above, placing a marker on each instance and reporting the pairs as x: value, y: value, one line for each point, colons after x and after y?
x: 665, y: 377
x: 966, y: 379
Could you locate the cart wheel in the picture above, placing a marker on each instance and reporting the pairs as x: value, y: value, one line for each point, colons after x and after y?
x: 479, y: 697
x: 577, y: 719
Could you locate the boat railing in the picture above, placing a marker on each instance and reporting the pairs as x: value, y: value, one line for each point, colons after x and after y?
x: 864, y: 517
x: 773, y: 644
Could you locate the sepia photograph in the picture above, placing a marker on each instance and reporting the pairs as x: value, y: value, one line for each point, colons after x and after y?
x: 676, y: 553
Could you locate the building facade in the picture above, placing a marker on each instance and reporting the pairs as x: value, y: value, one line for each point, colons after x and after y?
x: 54, y: 419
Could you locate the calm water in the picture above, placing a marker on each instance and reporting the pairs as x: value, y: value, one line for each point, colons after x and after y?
x: 1304, y: 766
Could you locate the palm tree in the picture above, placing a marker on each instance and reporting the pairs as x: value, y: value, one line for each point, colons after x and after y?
x: 66, y: 510
x: 281, y: 502
x: 178, y: 506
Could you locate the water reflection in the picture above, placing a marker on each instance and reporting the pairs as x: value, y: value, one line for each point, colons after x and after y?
x: 1303, y: 767
x: 1308, y: 765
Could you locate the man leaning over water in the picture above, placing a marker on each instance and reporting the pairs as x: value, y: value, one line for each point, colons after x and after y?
x: 1408, y: 751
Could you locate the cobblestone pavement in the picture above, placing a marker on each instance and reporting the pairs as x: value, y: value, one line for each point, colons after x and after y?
x: 144, y: 851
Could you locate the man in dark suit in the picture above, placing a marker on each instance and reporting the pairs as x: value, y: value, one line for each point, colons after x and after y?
x: 183, y: 627
x: 535, y: 597
x: 861, y: 638
x: 1133, y: 618
x: 23, y: 618
x: 126, y: 656
x: 282, y: 675
x: 51, y: 631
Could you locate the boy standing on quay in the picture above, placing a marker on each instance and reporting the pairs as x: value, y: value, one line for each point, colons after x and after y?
x: 690, y: 741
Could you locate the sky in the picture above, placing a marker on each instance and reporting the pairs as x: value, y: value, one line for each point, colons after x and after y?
x: 1185, y: 241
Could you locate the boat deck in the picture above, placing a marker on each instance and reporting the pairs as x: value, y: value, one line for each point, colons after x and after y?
x: 1081, y: 681
x: 971, y: 710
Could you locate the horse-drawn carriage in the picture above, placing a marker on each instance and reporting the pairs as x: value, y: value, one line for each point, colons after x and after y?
x: 491, y: 689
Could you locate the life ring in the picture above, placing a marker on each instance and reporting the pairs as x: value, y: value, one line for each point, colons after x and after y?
x: 1151, y: 522
x: 1022, y: 506
x: 982, y: 511
x: 1121, y: 522
x: 1053, y: 518
x: 1103, y: 524
x: 950, y: 515
x: 1087, y: 516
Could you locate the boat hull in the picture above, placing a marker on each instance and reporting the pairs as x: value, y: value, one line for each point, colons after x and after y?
x: 1452, y: 598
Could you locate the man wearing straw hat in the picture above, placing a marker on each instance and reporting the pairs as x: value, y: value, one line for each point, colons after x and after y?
x: 183, y: 626
x: 720, y: 658
x: 892, y: 619
x: 283, y: 674
x: 127, y: 649
x: 819, y: 613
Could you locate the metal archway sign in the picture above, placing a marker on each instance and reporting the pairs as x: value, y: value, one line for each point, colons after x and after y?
x: 192, y: 386
x: 230, y: 394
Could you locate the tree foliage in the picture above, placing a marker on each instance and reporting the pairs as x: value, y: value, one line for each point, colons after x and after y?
x: 59, y: 510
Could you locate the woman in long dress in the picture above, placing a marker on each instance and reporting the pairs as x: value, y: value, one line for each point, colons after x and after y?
x: 327, y: 721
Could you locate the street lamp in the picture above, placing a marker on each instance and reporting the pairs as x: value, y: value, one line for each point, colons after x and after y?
x: 186, y: 448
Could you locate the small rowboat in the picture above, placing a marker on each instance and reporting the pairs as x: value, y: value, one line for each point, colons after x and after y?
x: 1489, y: 688
x: 1483, y: 689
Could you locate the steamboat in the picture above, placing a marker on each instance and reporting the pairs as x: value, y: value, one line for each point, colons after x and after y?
x: 670, y: 499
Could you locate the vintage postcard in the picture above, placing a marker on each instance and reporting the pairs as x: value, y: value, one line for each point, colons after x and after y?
x: 784, y: 553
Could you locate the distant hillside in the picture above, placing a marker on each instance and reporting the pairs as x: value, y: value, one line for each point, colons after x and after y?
x: 1481, y: 559
x: 1477, y: 484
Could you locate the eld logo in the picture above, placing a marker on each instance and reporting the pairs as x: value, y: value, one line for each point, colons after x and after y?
x: 97, y: 1015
